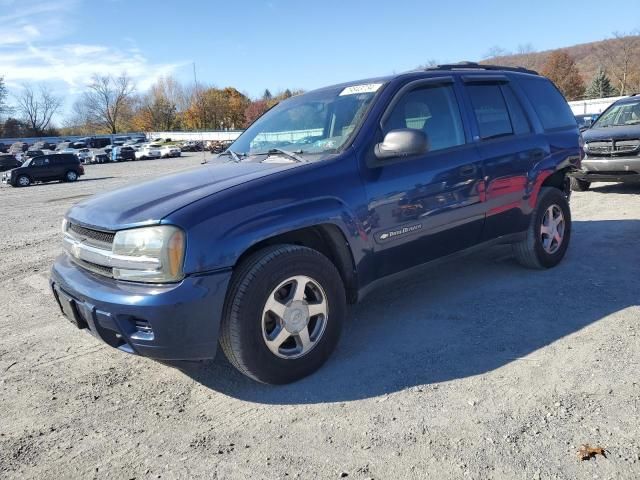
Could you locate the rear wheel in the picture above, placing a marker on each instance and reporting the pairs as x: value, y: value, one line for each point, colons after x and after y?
x: 283, y: 314
x: 70, y: 176
x: 578, y: 185
x: 549, y: 232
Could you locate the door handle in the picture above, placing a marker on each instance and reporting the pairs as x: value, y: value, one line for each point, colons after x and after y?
x: 467, y: 170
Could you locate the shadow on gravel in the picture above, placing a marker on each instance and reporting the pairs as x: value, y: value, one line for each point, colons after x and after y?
x: 623, y: 188
x: 465, y: 318
x: 80, y: 180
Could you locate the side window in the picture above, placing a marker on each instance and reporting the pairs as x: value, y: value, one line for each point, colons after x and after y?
x: 40, y: 162
x: 551, y: 107
x: 519, y: 119
x: 490, y: 110
x: 432, y: 109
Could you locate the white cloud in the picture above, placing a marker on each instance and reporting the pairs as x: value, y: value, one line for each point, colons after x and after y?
x: 34, y: 48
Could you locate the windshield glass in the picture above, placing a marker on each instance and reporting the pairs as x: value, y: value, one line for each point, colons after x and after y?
x: 316, y: 122
x: 620, y: 114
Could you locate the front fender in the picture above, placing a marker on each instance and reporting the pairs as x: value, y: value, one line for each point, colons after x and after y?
x: 222, y: 227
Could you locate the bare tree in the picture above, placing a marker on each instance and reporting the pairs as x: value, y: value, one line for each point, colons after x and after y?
x: 37, y: 108
x: 619, y: 55
x: 496, y: 51
x: 3, y: 97
x: 526, y: 55
x: 106, y: 102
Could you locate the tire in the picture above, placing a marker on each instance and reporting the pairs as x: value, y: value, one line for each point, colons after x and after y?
x: 578, y: 185
x: 246, y: 320
x: 23, y: 181
x: 533, y: 251
x: 70, y: 176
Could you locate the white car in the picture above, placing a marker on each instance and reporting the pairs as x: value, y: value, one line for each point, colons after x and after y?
x: 84, y: 155
x: 169, y: 151
x: 148, y: 151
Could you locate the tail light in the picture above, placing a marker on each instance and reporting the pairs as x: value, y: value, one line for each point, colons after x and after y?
x: 81, y: 169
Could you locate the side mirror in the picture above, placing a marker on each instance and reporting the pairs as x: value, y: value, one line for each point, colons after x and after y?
x: 402, y: 143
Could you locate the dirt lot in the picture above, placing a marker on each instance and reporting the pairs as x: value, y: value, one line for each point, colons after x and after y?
x: 479, y: 369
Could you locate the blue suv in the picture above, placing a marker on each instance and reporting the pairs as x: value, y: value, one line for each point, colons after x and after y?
x: 325, y: 197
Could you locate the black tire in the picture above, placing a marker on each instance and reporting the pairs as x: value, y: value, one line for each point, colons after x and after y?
x: 241, y: 332
x: 530, y: 251
x: 22, y: 181
x: 578, y: 185
x: 70, y: 176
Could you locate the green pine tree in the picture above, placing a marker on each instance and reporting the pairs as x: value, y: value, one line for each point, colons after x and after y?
x: 600, y: 86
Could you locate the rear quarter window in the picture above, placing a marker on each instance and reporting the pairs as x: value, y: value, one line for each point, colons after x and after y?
x: 550, y: 106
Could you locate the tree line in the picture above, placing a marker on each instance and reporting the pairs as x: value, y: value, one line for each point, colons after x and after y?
x: 112, y: 104
x: 616, y: 61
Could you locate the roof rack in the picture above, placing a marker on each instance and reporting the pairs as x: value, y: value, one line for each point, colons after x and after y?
x: 480, y: 66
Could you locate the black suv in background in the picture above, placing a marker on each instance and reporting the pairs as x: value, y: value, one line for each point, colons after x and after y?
x: 63, y: 167
x: 612, y: 146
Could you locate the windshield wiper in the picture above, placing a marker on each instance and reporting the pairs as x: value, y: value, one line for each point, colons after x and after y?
x: 236, y: 157
x: 292, y: 155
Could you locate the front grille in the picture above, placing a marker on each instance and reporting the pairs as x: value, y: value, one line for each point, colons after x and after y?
x: 92, y: 237
x: 94, y: 267
x: 614, y: 147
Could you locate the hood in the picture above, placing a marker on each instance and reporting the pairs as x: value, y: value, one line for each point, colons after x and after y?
x: 150, y: 202
x: 622, y: 132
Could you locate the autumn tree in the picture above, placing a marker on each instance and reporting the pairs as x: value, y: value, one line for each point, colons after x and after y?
x: 600, y: 86
x: 561, y: 69
x: 107, y: 103
x: 36, y: 108
x: 254, y: 110
x: 620, y: 56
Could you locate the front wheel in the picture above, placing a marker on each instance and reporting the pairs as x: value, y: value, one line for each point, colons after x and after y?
x: 578, y: 185
x: 23, y: 181
x: 549, y: 232
x: 283, y: 314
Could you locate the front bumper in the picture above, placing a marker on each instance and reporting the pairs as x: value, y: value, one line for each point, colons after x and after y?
x: 164, y: 322
x: 609, y: 169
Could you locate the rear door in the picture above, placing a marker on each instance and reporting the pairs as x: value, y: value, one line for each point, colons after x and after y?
x: 509, y: 148
x: 428, y: 206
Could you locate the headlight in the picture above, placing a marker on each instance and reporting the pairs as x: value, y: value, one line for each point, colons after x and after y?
x: 149, y: 254
x: 65, y: 224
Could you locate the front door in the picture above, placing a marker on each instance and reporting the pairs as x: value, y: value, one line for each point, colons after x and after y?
x: 428, y: 206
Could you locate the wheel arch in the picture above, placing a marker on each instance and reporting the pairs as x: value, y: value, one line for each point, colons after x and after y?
x: 326, y: 238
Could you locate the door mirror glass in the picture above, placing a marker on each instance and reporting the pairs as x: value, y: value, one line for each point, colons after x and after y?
x: 403, y: 142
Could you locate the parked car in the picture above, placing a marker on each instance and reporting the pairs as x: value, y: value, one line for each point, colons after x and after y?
x: 263, y: 252
x: 78, y: 144
x: 119, y: 141
x: 64, y: 167
x: 63, y: 146
x: 586, y: 120
x: 8, y: 162
x: 31, y: 154
x: 4, y: 148
x: 612, y: 146
x: 170, y: 151
x: 98, y: 157
x: 124, y: 154
x: 42, y: 145
x: 148, y: 151
x: 84, y: 155
x: 98, y: 142
x: 18, y: 147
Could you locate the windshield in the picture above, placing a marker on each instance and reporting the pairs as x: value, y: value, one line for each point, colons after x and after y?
x: 316, y: 122
x: 627, y: 113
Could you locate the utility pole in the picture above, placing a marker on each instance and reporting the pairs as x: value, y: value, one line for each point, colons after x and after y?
x: 195, y: 81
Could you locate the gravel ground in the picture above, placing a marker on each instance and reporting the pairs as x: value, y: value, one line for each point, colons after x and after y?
x: 479, y: 369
